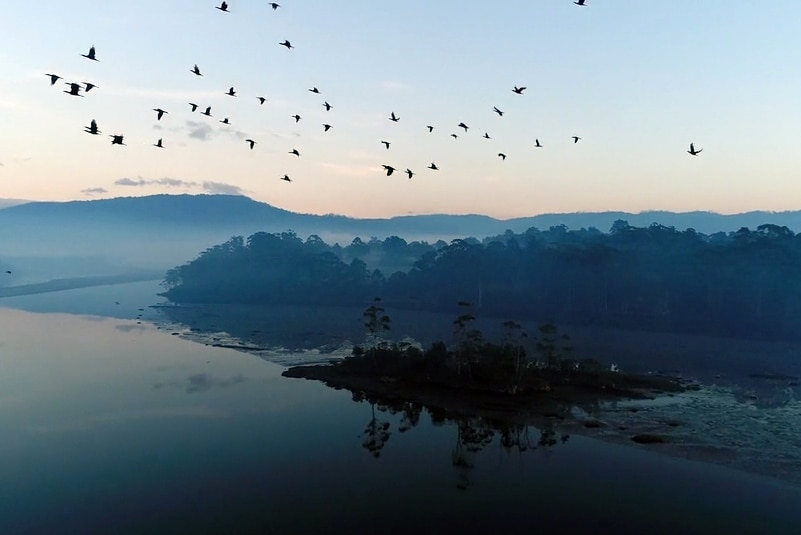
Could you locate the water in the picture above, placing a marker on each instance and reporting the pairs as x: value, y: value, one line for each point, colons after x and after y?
x: 109, y: 425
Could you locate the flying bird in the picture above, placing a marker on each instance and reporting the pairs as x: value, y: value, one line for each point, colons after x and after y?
x: 486, y: 136
x: 389, y: 169
x: 89, y: 86
x: 394, y: 118
x: 502, y: 156
x: 231, y: 92
x: 92, y: 128
x: 315, y: 90
x: 274, y: 5
x: 496, y: 110
x: 207, y: 113
x: 386, y: 144
x: 91, y: 54
x: 159, y: 113
x: 287, y: 44
x: 462, y: 125
x: 286, y: 178
x: 454, y: 136
x: 537, y: 144
x: 580, y: 3
x: 250, y: 142
x: 262, y: 100
x: 430, y: 128
x: 116, y: 139
x: 576, y: 139
x: 295, y: 152
x: 433, y: 166
x: 519, y: 90
x: 158, y: 144
x: 223, y: 7
x: 326, y: 127
x: 410, y: 173
x: 53, y: 78
x: 327, y: 106
x: 194, y: 106
x: 74, y: 89
x: 195, y: 70
x: 693, y: 151
x: 225, y: 121
x: 296, y: 117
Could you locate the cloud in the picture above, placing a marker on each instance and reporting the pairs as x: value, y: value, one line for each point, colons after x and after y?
x: 201, y: 131
x: 208, y: 186
x: 94, y: 191
x: 221, y: 188
x: 166, y: 181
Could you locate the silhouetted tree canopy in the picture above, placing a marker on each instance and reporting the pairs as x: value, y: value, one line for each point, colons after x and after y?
x: 743, y: 284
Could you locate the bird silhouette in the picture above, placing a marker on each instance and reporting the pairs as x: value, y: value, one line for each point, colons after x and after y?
x: 195, y: 70
x: 315, y: 90
x: 92, y: 128
x: 519, y: 90
x: 231, y: 92
x: 295, y: 152
x: 580, y: 3
x: 327, y: 106
x: 394, y: 118
x: 88, y: 86
x: 454, y: 136
x: 389, y: 169
x: 223, y: 7
x: 502, y: 156
x: 430, y: 128
x: 386, y: 144
x: 537, y: 144
x: 225, y: 121
x: 433, y: 166
x: 496, y: 110
x: 9, y: 272
x: 286, y: 178
x: 576, y: 139
x: 296, y: 117
x: 158, y: 144
x: 262, y: 100
x: 462, y: 125
x: 74, y: 89
x: 486, y: 136
x: 274, y: 5
x: 250, y: 142
x: 53, y: 78
x: 693, y: 151
x: 116, y: 139
x: 207, y: 113
x: 410, y: 173
x: 326, y: 127
x: 194, y: 106
x: 91, y: 54
x: 159, y: 113
x: 287, y: 44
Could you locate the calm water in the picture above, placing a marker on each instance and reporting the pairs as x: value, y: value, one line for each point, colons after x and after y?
x: 112, y: 425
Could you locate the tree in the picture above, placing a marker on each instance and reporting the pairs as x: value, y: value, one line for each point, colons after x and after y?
x: 376, y: 322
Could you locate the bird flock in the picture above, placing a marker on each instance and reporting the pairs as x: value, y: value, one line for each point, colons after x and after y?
x: 82, y: 89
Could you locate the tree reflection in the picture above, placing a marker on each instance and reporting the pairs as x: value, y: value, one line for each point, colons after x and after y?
x: 513, y: 433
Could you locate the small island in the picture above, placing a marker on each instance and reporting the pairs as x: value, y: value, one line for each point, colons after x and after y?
x: 479, y: 376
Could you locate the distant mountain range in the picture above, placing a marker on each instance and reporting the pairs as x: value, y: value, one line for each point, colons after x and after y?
x: 161, y: 231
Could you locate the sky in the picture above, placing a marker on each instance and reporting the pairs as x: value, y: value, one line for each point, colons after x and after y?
x: 636, y: 80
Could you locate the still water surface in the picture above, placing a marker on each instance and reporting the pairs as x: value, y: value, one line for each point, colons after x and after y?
x: 112, y: 425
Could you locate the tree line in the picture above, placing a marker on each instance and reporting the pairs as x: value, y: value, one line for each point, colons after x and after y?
x: 743, y: 284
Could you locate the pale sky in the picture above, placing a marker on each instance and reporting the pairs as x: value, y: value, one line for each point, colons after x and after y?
x: 638, y: 80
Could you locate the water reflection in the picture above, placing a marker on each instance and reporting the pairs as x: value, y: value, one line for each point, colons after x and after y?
x: 511, y: 433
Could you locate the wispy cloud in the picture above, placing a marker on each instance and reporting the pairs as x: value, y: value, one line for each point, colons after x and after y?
x: 94, y: 191
x: 201, y: 131
x: 208, y: 186
x: 222, y: 189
